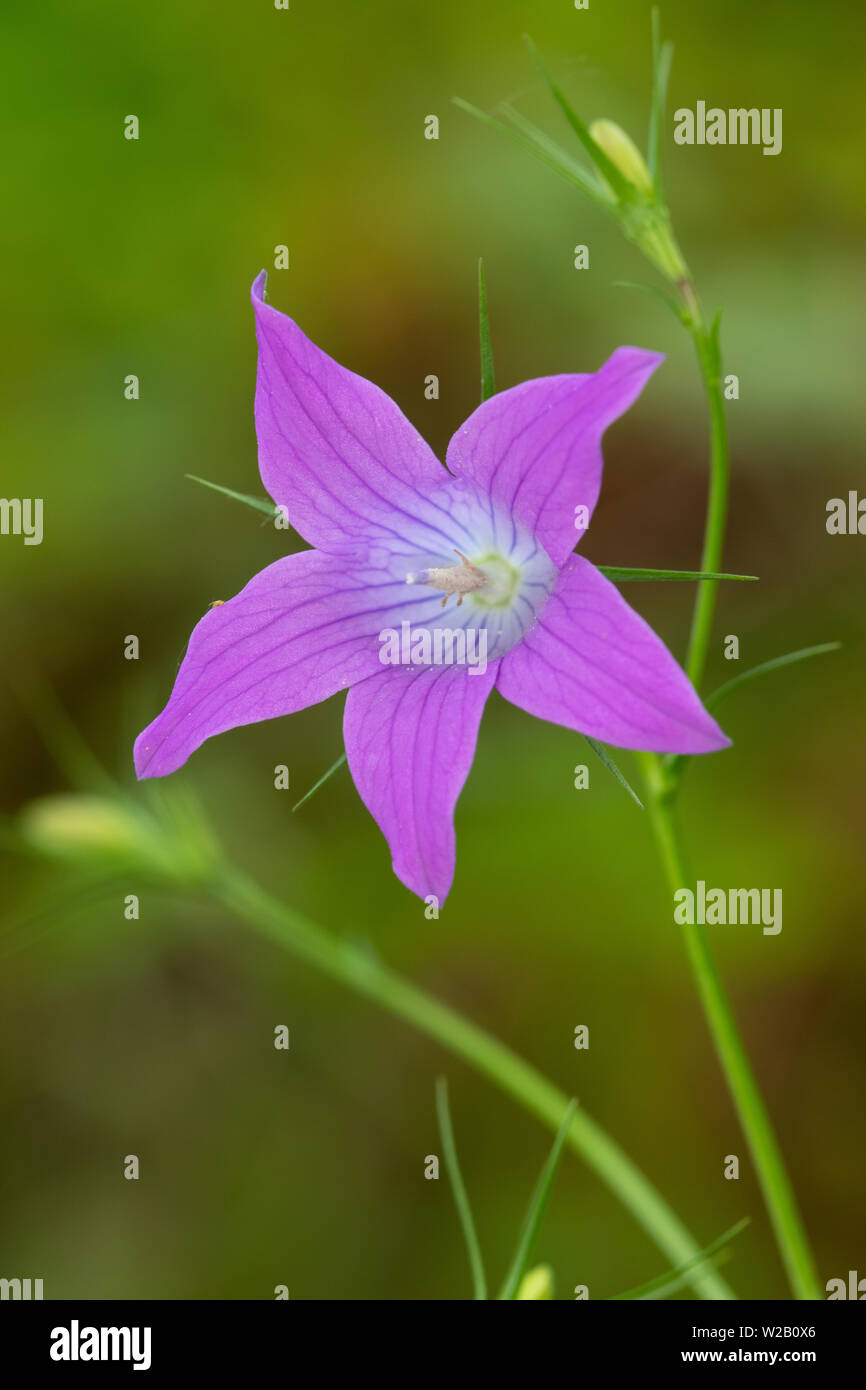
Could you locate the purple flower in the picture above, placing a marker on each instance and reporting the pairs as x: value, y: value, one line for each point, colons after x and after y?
x: 395, y: 536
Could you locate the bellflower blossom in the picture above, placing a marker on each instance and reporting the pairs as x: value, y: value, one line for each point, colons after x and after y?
x: 395, y: 536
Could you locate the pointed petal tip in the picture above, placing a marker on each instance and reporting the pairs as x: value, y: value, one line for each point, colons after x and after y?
x: 259, y: 285
x: 145, y: 757
x: 705, y: 736
x: 410, y: 742
x: 721, y: 741
x: 422, y: 889
x: 141, y: 764
x: 712, y: 736
x: 615, y: 680
x: 713, y: 743
x: 641, y: 361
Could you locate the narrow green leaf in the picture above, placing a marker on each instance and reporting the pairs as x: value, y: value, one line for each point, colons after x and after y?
x: 324, y: 777
x: 663, y: 56
x: 535, y: 1211
x: 619, y: 574
x: 261, y: 504
x: 601, y: 752
x: 531, y: 138
x: 461, y: 1199
x: 621, y: 186
x: 675, y: 1279
x: 552, y: 153
x: 774, y: 665
x: 656, y: 109
x: 667, y: 299
x: 488, y: 378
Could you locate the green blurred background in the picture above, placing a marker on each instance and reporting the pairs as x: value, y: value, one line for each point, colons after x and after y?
x: 305, y: 127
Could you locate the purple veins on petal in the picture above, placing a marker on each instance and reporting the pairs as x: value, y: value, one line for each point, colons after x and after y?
x: 410, y: 741
x: 593, y: 664
x: 335, y: 450
x: 536, y: 449
x: 301, y: 630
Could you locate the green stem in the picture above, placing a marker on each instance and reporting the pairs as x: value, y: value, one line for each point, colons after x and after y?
x: 663, y: 782
x: 458, y: 1189
x: 706, y: 346
x: 366, y: 975
x: 742, y: 1084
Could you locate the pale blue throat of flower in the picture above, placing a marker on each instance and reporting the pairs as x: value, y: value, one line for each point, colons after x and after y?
x: 498, y: 573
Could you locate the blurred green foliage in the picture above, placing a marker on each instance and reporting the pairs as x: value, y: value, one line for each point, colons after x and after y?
x: 261, y: 127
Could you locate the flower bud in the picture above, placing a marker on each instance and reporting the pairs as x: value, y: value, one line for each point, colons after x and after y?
x: 623, y: 152
x: 69, y: 824
x: 536, y: 1284
x: 115, y: 833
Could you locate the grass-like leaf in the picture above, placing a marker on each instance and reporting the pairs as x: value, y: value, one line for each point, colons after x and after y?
x: 675, y: 1279
x: 535, y: 1211
x: 619, y: 574
x: 324, y: 777
x: 261, y: 504
x: 663, y: 56
x: 549, y: 149
x: 601, y: 752
x: 675, y: 762
x: 666, y: 299
x: 774, y: 665
x: 531, y: 138
x: 621, y: 186
x: 488, y: 377
x: 461, y: 1199
x: 552, y: 153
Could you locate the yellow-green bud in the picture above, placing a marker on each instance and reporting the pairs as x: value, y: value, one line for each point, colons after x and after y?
x: 622, y: 151
x: 536, y: 1284
x: 114, y: 833
x: 86, y: 825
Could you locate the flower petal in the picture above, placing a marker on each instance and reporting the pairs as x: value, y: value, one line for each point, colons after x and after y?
x: 592, y: 664
x: 537, y: 447
x: 334, y: 450
x: 301, y: 629
x: 410, y: 739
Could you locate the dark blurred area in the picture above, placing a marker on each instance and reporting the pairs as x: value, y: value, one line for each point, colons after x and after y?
x: 259, y: 128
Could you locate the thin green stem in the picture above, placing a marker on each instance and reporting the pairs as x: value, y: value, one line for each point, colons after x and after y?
x: 488, y: 375
x: 519, y: 1266
x: 707, y: 347
x: 458, y: 1188
x: 366, y: 975
x: 652, y: 232
x: 663, y: 783
x: 730, y: 1049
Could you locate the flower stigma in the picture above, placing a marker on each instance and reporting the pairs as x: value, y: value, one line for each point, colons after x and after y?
x: 460, y: 579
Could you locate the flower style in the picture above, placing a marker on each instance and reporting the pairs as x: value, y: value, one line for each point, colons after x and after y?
x: 395, y: 535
